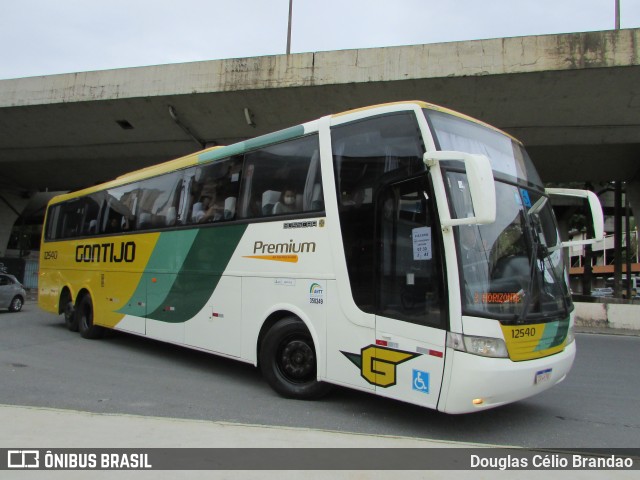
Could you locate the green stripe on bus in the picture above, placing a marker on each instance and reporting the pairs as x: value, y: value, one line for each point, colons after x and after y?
x: 200, y: 273
x: 554, y: 334
x: 252, y: 144
x: 169, y: 254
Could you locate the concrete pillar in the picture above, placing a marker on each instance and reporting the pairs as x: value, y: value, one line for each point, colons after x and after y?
x: 633, y: 194
x: 11, y: 206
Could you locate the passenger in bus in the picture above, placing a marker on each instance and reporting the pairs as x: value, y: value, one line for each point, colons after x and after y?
x: 113, y: 226
x: 199, y: 209
x: 287, y: 203
x: 126, y: 222
x: 354, y: 199
x: 122, y: 224
x: 208, y: 210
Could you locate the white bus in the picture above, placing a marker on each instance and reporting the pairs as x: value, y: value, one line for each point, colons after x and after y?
x: 402, y: 249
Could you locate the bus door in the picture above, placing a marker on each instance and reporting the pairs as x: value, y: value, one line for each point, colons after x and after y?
x: 407, y: 362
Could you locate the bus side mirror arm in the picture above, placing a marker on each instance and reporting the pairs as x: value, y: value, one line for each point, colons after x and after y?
x: 481, y: 186
x: 596, y: 213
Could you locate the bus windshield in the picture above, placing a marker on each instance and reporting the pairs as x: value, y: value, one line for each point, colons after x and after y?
x: 512, y: 269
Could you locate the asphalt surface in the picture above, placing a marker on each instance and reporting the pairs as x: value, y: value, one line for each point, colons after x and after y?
x: 38, y: 426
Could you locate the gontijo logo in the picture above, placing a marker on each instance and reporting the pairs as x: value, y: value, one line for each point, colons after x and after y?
x: 106, y: 252
x: 378, y: 364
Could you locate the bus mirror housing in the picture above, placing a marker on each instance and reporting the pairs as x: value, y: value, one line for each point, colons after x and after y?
x: 596, y: 213
x: 481, y: 186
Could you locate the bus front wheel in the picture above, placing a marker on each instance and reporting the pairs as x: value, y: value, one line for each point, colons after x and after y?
x: 288, y: 361
x: 84, y: 313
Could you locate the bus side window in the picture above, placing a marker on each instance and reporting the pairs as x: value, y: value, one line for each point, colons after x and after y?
x: 282, y: 179
x: 90, y: 216
x: 215, y: 191
x: 119, y: 213
x: 52, y: 230
x: 71, y: 217
x: 157, y: 200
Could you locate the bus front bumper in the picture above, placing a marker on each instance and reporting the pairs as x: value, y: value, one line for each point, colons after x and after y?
x: 479, y: 383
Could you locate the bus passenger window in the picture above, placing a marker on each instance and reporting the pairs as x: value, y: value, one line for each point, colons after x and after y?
x: 117, y: 209
x: 90, y: 215
x: 282, y: 179
x: 214, y: 190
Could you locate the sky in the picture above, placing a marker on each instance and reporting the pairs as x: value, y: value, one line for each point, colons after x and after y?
x: 43, y: 37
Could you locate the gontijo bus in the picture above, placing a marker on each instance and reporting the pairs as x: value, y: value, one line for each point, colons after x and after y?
x: 402, y: 249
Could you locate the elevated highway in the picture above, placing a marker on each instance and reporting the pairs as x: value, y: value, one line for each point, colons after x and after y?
x: 573, y: 99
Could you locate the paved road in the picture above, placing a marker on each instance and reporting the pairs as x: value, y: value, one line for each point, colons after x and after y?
x: 43, y: 364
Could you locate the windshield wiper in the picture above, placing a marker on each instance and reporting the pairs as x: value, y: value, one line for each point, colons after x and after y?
x: 557, y: 282
x: 532, y: 218
x: 528, y: 295
x: 539, y: 253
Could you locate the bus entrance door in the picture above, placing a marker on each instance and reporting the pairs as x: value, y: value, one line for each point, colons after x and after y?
x: 410, y: 321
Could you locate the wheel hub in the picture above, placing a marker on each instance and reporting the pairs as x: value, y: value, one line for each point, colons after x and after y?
x: 297, y: 359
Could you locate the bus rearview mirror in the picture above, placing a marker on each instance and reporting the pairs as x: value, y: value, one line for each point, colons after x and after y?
x: 481, y: 186
x: 596, y: 213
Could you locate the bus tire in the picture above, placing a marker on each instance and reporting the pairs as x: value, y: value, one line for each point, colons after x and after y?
x: 70, y: 317
x: 288, y: 361
x: 84, y: 314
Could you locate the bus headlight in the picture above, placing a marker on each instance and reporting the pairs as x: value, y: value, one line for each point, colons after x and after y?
x: 483, y: 346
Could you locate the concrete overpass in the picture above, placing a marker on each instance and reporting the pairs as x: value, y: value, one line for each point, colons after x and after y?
x: 573, y: 99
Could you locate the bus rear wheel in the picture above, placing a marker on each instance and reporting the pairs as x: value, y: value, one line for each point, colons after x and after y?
x: 84, y: 313
x: 70, y: 317
x: 288, y: 361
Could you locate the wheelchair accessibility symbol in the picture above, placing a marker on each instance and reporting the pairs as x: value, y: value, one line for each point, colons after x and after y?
x: 421, y: 381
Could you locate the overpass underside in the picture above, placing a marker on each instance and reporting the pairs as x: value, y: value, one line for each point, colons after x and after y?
x: 573, y: 99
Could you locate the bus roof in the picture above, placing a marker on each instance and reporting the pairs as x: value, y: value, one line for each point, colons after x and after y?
x: 429, y: 106
x: 218, y: 152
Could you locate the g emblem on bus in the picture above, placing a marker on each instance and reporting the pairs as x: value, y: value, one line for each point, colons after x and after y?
x: 378, y: 364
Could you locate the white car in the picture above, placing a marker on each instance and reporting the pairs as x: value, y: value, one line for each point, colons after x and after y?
x: 12, y: 294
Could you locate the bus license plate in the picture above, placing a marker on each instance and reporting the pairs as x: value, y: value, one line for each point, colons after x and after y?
x: 543, y: 376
